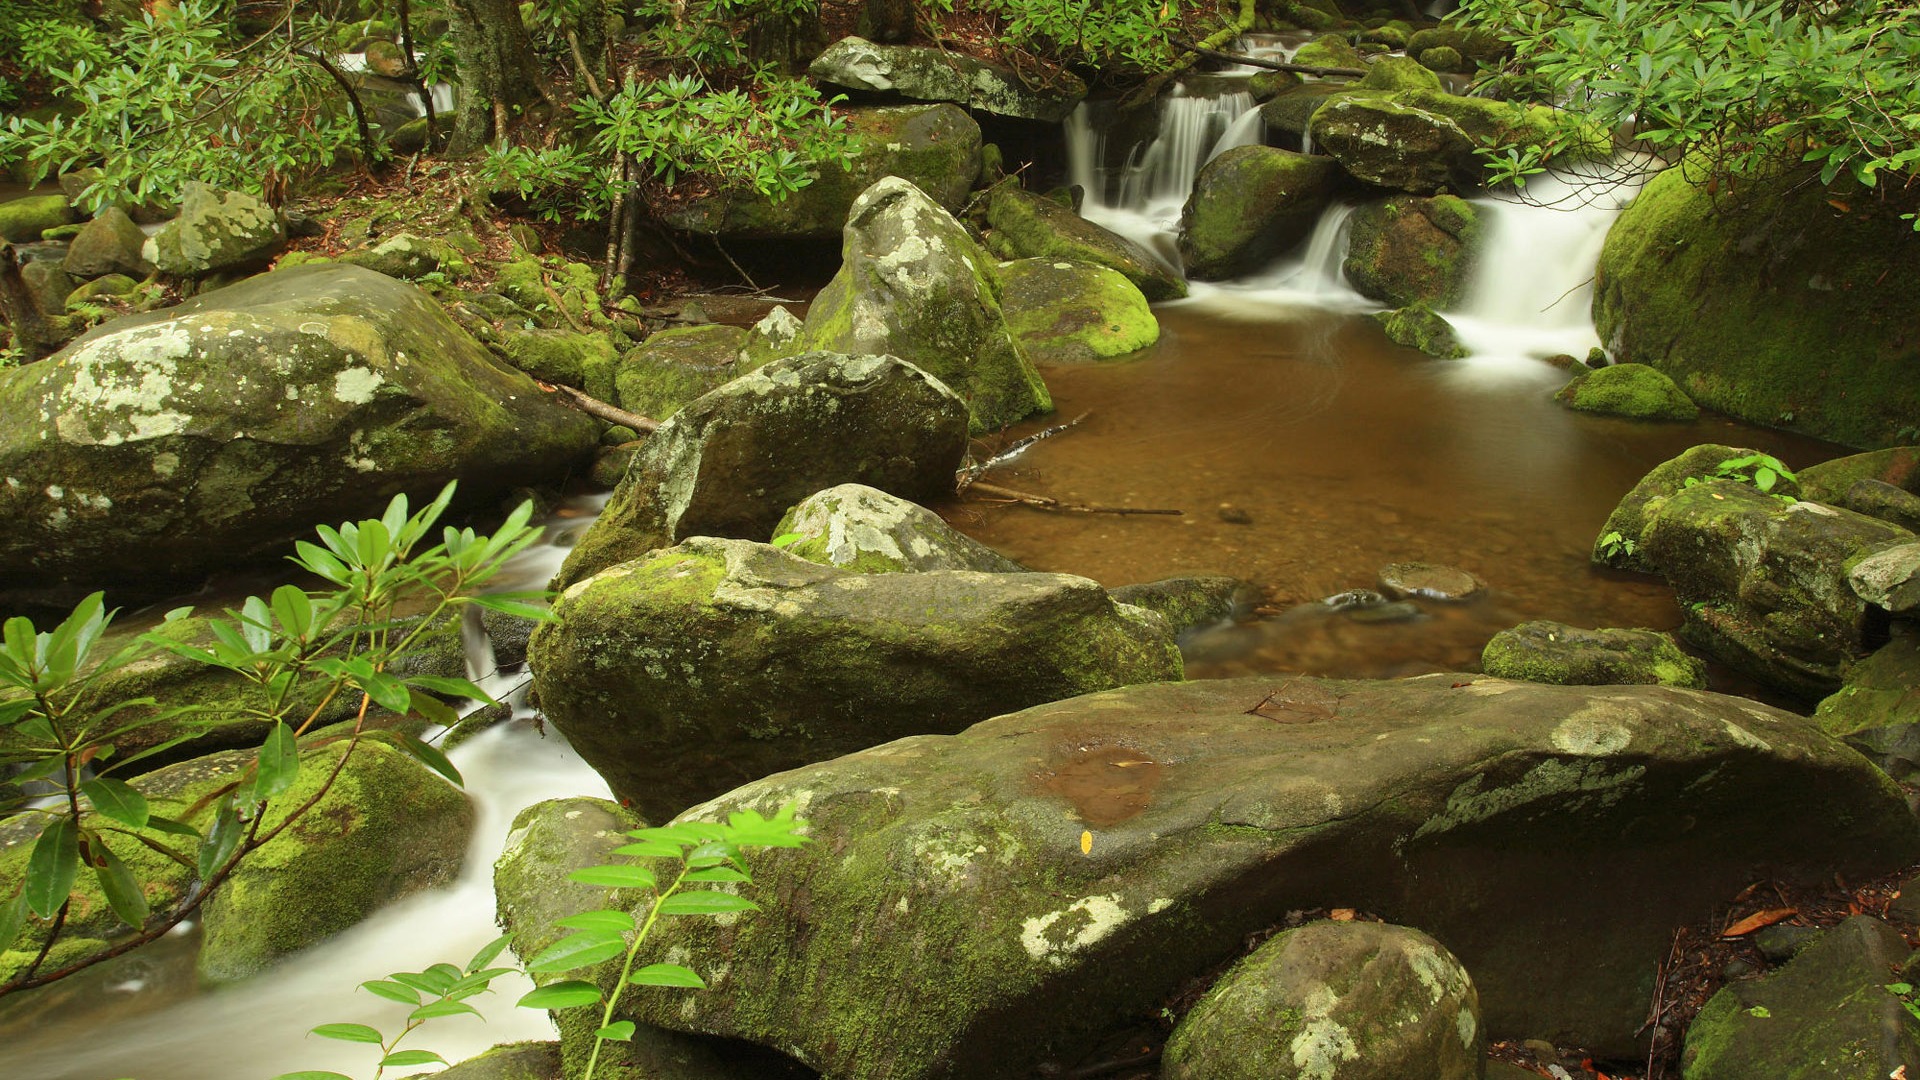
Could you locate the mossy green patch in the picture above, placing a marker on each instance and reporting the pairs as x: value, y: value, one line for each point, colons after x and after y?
x: 1068, y: 312
x: 1635, y: 391
x: 676, y: 365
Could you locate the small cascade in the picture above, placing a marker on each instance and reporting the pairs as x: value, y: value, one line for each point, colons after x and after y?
x: 443, y: 100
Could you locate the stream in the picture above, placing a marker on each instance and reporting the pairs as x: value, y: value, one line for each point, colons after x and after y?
x: 1305, y: 451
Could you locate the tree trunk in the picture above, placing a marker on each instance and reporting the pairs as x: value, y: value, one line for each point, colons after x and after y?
x: 496, y: 66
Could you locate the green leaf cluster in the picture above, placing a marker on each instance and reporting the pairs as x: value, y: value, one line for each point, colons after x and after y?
x: 1739, y: 86
x: 296, y: 650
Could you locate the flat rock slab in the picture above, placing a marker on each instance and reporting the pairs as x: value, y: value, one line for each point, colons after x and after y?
x: 973, y: 902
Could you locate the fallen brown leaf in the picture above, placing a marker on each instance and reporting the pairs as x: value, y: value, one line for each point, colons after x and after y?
x: 1759, y: 920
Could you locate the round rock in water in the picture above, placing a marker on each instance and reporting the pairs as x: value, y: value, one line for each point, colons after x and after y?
x: 1335, y: 1001
x: 1429, y: 580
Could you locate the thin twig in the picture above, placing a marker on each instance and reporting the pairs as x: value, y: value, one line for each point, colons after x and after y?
x: 974, y: 472
x: 1043, y: 502
x: 593, y: 406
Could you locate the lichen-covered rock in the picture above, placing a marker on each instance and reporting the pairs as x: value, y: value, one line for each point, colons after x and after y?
x: 586, y: 361
x: 23, y: 220
x: 1489, y: 123
x: 934, y: 147
x: 1690, y: 282
x: 1877, y: 709
x: 1026, y: 225
x: 971, y: 901
x: 1073, y: 312
x: 1826, y: 1014
x: 1874, y: 498
x: 926, y: 74
x: 1635, y: 391
x: 408, y: 256
x: 1419, y: 327
x: 1335, y: 1001
x: 699, y: 667
x: 1765, y: 582
x: 1829, y: 481
x: 386, y: 828
x: 775, y: 335
x: 1290, y: 112
x: 732, y: 462
x: 1250, y: 205
x: 161, y: 446
x: 913, y: 284
x: 1391, y: 144
x: 1553, y: 652
x: 1412, y: 250
x: 216, y: 230
x: 109, y: 244
x: 674, y: 366
x: 1889, y: 578
x: 1430, y: 581
x: 855, y: 527
x: 1628, y: 523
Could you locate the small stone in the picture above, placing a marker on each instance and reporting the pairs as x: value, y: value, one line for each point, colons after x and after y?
x: 1429, y: 580
x: 1781, y: 942
x: 1889, y: 578
x: 1234, y: 515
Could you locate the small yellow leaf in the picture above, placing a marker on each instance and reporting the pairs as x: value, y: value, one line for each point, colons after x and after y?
x: 1086, y: 843
x: 1341, y: 914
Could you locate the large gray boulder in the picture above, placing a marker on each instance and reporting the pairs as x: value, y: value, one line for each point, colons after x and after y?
x: 1826, y: 1015
x: 1391, y: 144
x: 926, y: 74
x: 1250, y: 205
x: 913, y: 284
x: 1765, y: 581
x: 109, y: 244
x: 704, y: 666
x: 855, y: 527
x: 935, y: 147
x: 1026, y: 225
x: 1335, y: 1001
x: 971, y: 901
x: 731, y: 462
x: 161, y: 446
x: 215, y: 231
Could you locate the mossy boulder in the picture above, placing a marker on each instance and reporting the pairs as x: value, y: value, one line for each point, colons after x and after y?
x: 1877, y: 708
x: 971, y: 902
x: 1484, y: 45
x: 511, y: 1061
x: 1420, y: 328
x: 386, y: 828
x: 408, y: 256
x: 23, y: 220
x: 1826, y: 1014
x: 109, y: 287
x: 1392, y: 144
x: 1890, y: 504
x: 1189, y: 603
x: 1290, y: 112
x: 732, y: 462
x: 162, y: 446
x: 1627, y: 524
x: 109, y: 244
x: 1635, y: 391
x: 777, y: 334
x: 1264, y: 86
x: 913, y: 284
x: 1329, y: 50
x: 1249, y: 206
x: 1766, y: 303
x: 1765, y: 582
x: 1398, y: 73
x: 558, y: 293
x: 1829, y: 481
x: 1489, y: 123
x: 1335, y: 1001
x: 216, y: 231
x: 919, y: 73
x: 1445, y: 59
x: 677, y: 365
x: 1026, y: 225
x: 585, y: 361
x: 1065, y: 312
x: 934, y: 147
x: 1407, y: 249
x: 1554, y: 652
x: 863, y: 529
x: 48, y: 285
x: 696, y: 668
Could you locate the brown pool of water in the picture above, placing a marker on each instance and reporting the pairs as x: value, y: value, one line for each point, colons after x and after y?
x: 1306, y: 452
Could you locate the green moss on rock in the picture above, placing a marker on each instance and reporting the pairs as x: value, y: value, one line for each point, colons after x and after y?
x: 1026, y: 225
x: 1412, y: 250
x: 1398, y: 73
x: 1072, y: 312
x: 1250, y: 205
x: 1553, y: 652
x: 1635, y: 391
x: 677, y: 365
x: 1418, y: 327
x: 23, y: 220
x: 585, y: 361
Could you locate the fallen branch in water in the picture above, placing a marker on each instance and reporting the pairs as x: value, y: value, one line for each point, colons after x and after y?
x: 1270, y: 65
x: 1043, y: 502
x: 974, y: 472
x: 594, y: 407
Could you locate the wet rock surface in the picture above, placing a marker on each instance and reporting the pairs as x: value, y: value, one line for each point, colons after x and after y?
x: 1553, y: 652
